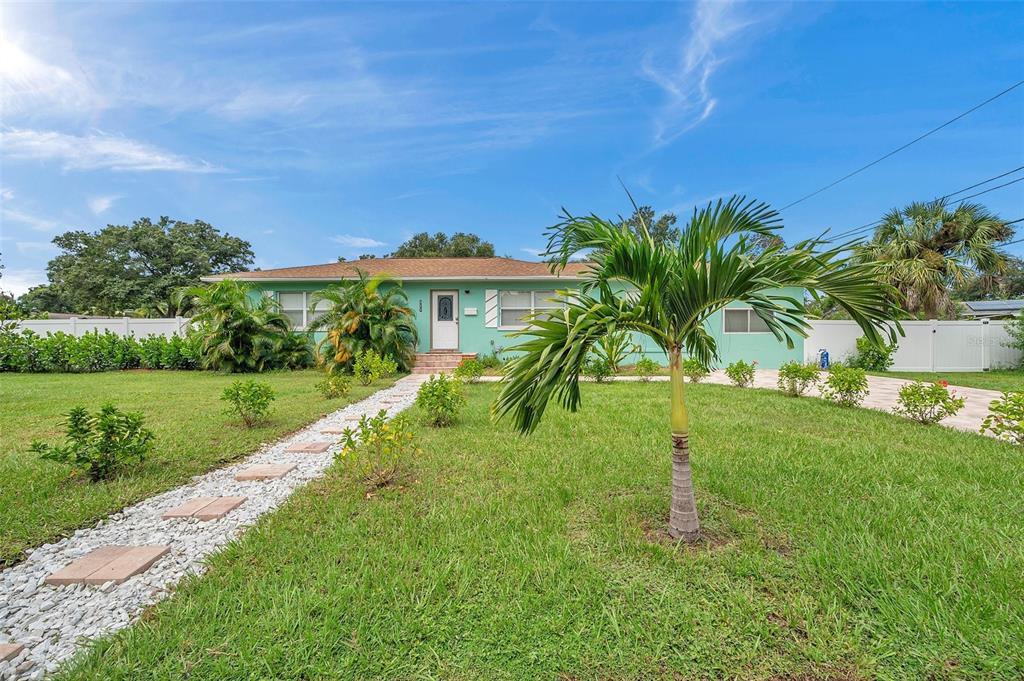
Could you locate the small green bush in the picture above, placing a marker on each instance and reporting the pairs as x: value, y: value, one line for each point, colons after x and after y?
x: 99, y: 444
x: 249, y: 400
x: 694, y: 370
x: 846, y: 386
x: 597, y: 369
x: 378, y: 449
x: 441, y: 398
x: 614, y: 347
x: 470, y: 370
x: 491, y: 361
x: 370, y: 367
x: 1006, y: 417
x: 741, y: 373
x: 796, y: 378
x: 646, y: 367
x: 872, y: 357
x: 927, y: 402
x: 333, y: 386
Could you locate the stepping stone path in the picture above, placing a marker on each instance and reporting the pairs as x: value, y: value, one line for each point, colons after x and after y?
x: 332, y: 430
x: 310, y: 447
x: 111, y: 572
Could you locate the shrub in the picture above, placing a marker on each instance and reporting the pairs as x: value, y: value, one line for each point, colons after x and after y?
x: 741, y: 373
x: 469, y: 370
x: 927, y: 402
x: 378, y: 449
x: 872, y: 357
x: 1006, y: 417
x: 694, y: 370
x: 613, y: 348
x: 99, y: 444
x: 370, y: 367
x: 61, y: 352
x: 441, y: 398
x: 1015, y: 329
x: 846, y: 386
x: 795, y: 378
x: 646, y: 367
x: 293, y: 350
x: 249, y: 400
x: 491, y: 361
x: 597, y: 369
x: 332, y: 386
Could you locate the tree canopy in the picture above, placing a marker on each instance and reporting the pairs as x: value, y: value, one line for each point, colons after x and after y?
x: 131, y: 268
x: 440, y: 245
x: 662, y: 229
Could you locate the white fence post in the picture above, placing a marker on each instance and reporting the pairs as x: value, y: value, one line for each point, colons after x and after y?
x: 934, y: 328
x: 127, y: 327
x: 179, y: 325
x: 986, y: 359
x: 74, y: 326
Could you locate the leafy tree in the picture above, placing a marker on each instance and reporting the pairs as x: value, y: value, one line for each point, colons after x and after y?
x: 43, y: 298
x: 662, y: 229
x: 1005, y: 285
x: 126, y: 267
x: 440, y: 245
x: 925, y: 249
x: 367, y: 313
x: 672, y: 291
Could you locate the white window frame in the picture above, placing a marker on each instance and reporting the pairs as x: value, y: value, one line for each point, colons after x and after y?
x: 750, y: 313
x: 307, y: 317
x: 532, y: 309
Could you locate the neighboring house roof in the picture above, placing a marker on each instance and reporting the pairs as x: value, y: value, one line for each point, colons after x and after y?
x: 412, y: 269
x: 993, y: 308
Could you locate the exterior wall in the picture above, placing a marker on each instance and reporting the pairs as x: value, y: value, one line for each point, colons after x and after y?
x: 474, y: 336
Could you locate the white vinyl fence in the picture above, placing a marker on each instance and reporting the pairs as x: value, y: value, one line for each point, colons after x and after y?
x: 927, y: 346
x: 122, y: 326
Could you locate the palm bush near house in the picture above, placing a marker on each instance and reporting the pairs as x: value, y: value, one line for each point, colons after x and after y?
x: 846, y: 386
x: 741, y: 373
x: 1006, y: 417
x: 796, y: 378
x: 248, y: 400
x: 613, y: 348
x: 101, y: 444
x: 645, y: 368
x: 440, y: 398
x: 367, y: 313
x: 927, y: 403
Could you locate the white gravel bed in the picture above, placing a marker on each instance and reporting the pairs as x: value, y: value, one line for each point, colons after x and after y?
x: 53, y: 623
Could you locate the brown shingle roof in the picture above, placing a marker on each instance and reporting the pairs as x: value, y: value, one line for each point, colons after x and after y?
x: 413, y: 268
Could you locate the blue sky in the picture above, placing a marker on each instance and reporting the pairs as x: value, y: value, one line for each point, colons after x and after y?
x: 323, y: 130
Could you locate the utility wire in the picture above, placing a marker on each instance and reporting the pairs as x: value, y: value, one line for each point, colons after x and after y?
x: 901, y: 148
x: 1008, y: 172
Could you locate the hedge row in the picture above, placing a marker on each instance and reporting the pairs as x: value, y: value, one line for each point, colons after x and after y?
x: 27, y: 351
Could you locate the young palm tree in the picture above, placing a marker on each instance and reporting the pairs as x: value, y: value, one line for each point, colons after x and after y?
x: 670, y: 291
x: 366, y: 313
x: 926, y: 249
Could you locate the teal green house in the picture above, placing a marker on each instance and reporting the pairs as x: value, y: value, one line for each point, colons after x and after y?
x: 472, y: 305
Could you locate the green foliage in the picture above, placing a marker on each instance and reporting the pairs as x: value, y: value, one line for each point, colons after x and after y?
x: 99, y: 444
x: 332, y: 386
x: 1015, y: 329
x: 249, y: 400
x: 491, y: 361
x: 694, y: 369
x: 795, y: 378
x: 872, y: 356
x: 646, y: 367
x: 440, y: 245
x: 122, y: 268
x: 27, y: 351
x: 441, y: 398
x: 370, y: 367
x: 293, y: 350
x: 469, y: 370
x: 598, y: 369
x: 614, y: 347
x: 240, y: 330
x: 1006, y: 417
x: 741, y: 373
x: 846, y: 386
x: 927, y: 402
x: 378, y: 449
x: 366, y: 313
x: 661, y: 229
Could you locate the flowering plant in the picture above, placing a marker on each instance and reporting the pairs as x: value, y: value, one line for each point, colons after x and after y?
x: 928, y: 402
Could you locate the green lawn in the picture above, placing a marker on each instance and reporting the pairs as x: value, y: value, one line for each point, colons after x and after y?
x: 987, y: 380
x: 38, y: 500
x: 844, y: 543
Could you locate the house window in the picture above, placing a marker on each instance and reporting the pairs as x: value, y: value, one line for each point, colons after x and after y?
x: 293, y: 305
x: 743, y: 320
x: 515, y: 307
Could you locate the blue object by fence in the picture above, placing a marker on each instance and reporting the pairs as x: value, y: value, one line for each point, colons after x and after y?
x: 823, y: 358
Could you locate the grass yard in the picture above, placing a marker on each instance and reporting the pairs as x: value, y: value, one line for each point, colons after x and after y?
x: 38, y: 500
x: 844, y: 543
x: 987, y: 380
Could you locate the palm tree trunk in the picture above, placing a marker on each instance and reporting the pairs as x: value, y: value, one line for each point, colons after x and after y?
x: 683, y: 521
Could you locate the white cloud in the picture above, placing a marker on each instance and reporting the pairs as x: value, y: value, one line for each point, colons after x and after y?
x: 27, y: 83
x: 33, y: 221
x: 6, y: 193
x: 18, y: 282
x: 350, y: 241
x: 34, y: 246
x: 685, y: 83
x: 535, y: 252
x: 101, y: 204
x: 97, y: 150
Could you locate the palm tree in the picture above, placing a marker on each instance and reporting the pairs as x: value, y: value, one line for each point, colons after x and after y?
x: 240, y: 329
x: 671, y: 291
x: 366, y: 313
x: 926, y: 249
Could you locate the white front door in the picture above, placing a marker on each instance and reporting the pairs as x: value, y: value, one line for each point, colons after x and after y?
x: 444, y: 320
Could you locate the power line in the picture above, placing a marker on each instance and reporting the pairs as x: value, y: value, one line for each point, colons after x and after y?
x: 901, y: 148
x: 992, y: 189
x: 1008, y: 172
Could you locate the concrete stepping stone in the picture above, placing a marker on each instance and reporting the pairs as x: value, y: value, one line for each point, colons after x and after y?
x: 9, y: 651
x: 311, y: 447
x: 332, y: 430
x: 265, y: 471
x: 205, y: 508
x: 112, y: 563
